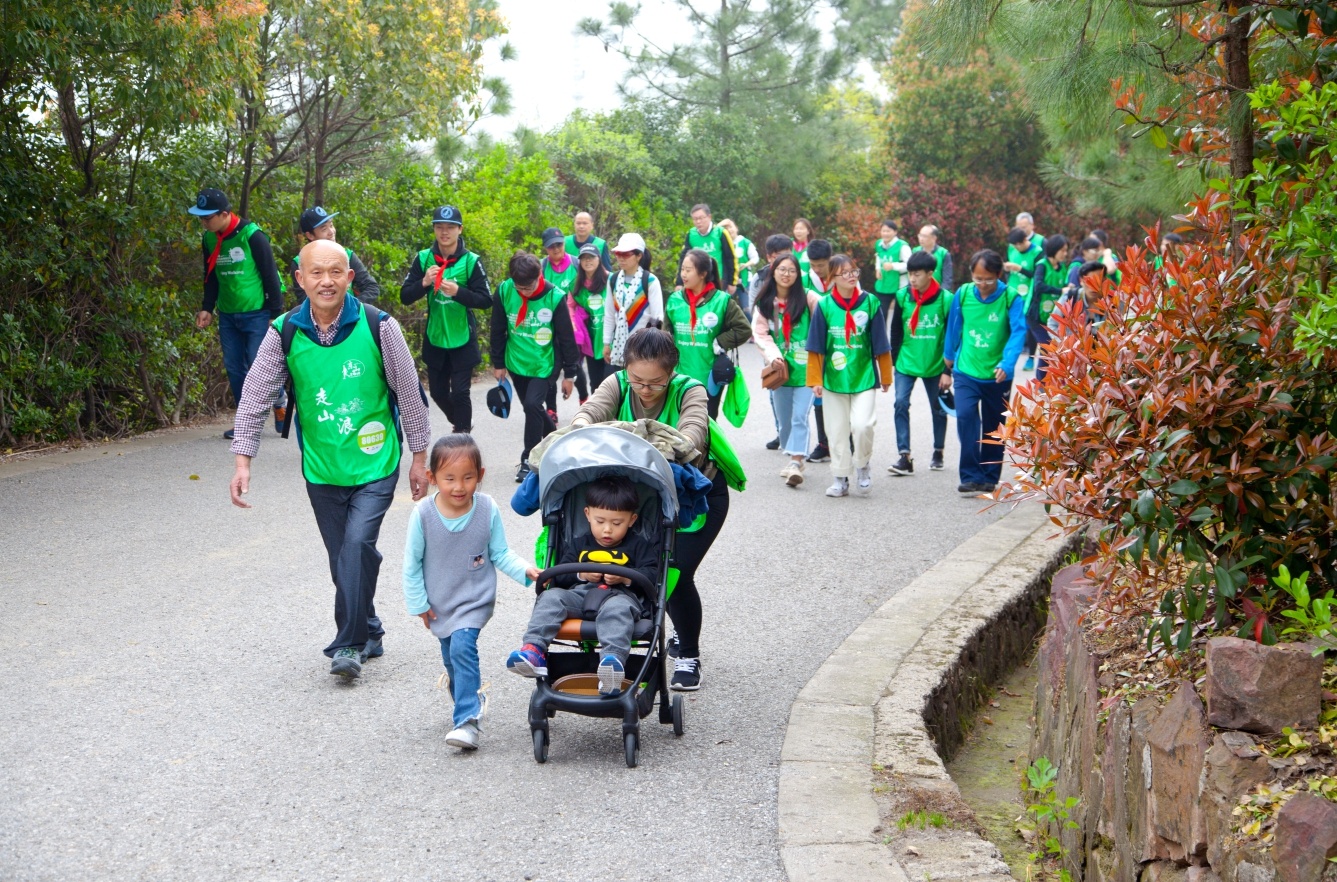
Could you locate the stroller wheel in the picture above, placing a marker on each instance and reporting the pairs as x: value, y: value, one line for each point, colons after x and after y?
x: 633, y: 747
x: 677, y: 710
x: 540, y: 745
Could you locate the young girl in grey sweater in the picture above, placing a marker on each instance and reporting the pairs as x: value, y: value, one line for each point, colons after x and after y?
x: 454, y: 548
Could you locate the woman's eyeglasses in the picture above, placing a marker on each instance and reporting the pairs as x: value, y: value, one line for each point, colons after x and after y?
x: 648, y: 387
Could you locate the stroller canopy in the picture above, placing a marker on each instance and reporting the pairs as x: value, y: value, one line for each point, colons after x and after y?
x: 594, y: 452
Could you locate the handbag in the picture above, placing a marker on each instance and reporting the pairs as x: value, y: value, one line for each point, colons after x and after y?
x: 774, y: 376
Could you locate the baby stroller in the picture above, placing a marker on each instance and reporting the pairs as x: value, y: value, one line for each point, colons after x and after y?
x: 569, y: 464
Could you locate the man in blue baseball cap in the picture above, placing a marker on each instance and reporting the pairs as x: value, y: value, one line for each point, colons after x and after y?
x: 241, y: 282
x: 452, y: 278
x: 317, y: 223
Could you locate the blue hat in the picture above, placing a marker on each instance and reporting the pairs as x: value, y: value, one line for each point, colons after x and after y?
x: 209, y: 202
x: 448, y: 214
x: 499, y: 398
x: 315, y: 217
x: 948, y: 401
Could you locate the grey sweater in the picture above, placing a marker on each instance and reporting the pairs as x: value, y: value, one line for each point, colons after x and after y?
x: 457, y: 569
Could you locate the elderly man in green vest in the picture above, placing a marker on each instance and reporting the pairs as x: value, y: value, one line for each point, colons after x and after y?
x: 584, y: 235
x: 713, y: 239
x: 353, y: 380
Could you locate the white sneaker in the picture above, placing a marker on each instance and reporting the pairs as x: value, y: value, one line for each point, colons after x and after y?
x: 864, y: 478
x: 841, y: 487
x: 792, y: 473
x: 465, y: 737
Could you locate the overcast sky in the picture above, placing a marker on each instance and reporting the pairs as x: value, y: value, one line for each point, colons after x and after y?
x: 555, y: 71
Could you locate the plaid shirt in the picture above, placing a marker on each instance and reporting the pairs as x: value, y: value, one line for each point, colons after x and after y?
x: 269, y: 374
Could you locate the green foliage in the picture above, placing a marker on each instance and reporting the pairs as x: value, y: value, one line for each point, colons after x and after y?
x: 922, y: 819
x: 1048, y: 813
x: 1312, y: 615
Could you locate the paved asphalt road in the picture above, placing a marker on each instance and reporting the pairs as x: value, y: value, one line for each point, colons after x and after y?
x: 168, y: 713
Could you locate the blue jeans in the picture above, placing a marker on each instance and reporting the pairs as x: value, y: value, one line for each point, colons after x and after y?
x: 349, y: 519
x: 792, y: 405
x: 459, y: 652
x: 239, y: 334
x: 979, y: 412
x: 905, y: 384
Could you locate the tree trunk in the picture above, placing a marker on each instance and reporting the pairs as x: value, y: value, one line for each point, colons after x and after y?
x: 1239, y: 82
x: 722, y: 39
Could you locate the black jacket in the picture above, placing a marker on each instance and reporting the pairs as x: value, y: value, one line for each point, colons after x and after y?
x: 640, y: 554
x: 475, y: 294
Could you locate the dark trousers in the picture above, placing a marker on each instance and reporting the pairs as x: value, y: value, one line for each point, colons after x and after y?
x: 979, y: 412
x: 905, y: 384
x: 689, y: 550
x: 887, y: 301
x: 532, y: 392
x: 821, y: 423
x: 239, y: 336
x: 449, y: 373
x: 349, y: 519
x: 1041, y: 334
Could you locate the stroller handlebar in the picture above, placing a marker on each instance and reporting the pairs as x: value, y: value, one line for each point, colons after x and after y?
x: 638, y: 579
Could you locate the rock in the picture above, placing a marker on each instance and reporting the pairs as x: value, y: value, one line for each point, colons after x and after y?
x: 1202, y: 874
x: 1178, y: 741
x: 1262, y: 689
x: 1233, y: 767
x: 1306, y: 837
x: 1164, y: 871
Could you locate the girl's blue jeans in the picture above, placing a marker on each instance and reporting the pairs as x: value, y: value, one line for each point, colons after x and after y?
x: 459, y: 652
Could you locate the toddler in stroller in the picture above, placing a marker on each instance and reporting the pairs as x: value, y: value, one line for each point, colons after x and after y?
x: 610, y: 509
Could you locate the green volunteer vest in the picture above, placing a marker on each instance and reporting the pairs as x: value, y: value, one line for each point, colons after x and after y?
x: 696, y: 354
x: 240, y: 288
x: 741, y: 245
x: 713, y: 244
x: 297, y: 263
x: 721, y: 452
x: 574, y: 250
x: 848, y: 367
x: 984, y: 331
x: 1016, y: 282
x: 344, y: 418
x: 940, y: 255
x: 529, y: 347
x: 566, y: 279
x: 812, y: 283
x: 593, y: 303
x: 891, y: 281
x: 804, y: 264
x: 795, y: 350
x: 1056, y: 277
x: 921, y: 352
x: 448, y: 321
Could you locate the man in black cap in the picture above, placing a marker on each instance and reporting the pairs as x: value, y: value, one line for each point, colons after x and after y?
x: 241, y: 281
x: 452, y: 277
x: 317, y: 223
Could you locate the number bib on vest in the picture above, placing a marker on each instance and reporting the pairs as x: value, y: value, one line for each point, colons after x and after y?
x: 848, y: 366
x: 448, y: 321
x: 985, y: 328
x: 921, y: 352
x: 696, y: 355
x: 240, y: 288
x: 345, y: 424
x: 529, y: 347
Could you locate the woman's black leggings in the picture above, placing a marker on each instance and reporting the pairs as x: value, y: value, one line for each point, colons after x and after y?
x: 689, y: 550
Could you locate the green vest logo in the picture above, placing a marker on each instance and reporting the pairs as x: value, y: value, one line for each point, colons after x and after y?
x: 710, y: 320
x: 352, y: 369
x: 838, y: 360
x: 237, y: 254
x: 860, y: 320
x: 371, y: 437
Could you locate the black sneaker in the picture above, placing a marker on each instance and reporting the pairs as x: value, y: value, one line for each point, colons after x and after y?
x: 227, y: 434
x: 820, y: 453
x: 904, y: 466
x: 936, y: 464
x: 372, y: 649
x: 686, y: 675
x: 347, y: 662
x: 972, y: 488
x: 522, y: 472
x: 674, y: 646
x: 773, y: 444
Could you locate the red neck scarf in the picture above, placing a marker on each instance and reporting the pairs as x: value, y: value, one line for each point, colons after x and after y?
x: 850, y: 328
x: 696, y: 299
x: 798, y: 247
x: 445, y: 263
x: 922, y: 297
x: 786, y: 323
x: 525, y: 300
x: 218, y: 245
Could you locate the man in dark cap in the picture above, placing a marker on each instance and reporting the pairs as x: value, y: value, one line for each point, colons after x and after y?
x: 453, y: 280
x: 241, y: 282
x: 317, y: 223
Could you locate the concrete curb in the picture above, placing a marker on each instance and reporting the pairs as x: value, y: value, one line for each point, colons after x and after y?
x: 877, y: 697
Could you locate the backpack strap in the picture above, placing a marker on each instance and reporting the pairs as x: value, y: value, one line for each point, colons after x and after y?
x: 286, y: 336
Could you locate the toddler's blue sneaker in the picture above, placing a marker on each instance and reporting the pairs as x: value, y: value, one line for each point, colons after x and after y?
x: 528, y: 661
x: 610, y: 675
